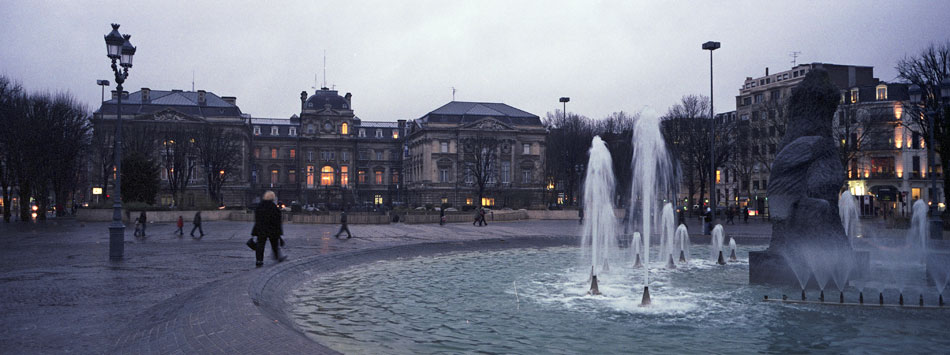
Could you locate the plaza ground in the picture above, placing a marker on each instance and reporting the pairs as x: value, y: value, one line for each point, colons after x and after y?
x: 60, y: 293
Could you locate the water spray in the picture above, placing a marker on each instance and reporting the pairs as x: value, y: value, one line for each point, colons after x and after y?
x: 638, y: 264
x: 646, y: 297
x: 721, y: 261
x: 670, y: 264
x: 682, y: 257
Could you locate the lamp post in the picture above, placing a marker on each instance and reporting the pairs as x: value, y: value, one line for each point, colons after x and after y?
x: 711, y: 46
x: 103, y: 84
x: 916, y: 93
x: 564, y: 100
x: 118, y: 49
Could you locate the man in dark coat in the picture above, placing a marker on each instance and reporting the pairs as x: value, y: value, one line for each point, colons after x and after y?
x: 197, y: 226
x: 268, y: 225
x: 343, y: 226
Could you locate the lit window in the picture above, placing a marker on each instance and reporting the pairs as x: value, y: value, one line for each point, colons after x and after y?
x: 274, y: 131
x: 881, y: 92
x: 292, y: 176
x: 395, y: 178
x: 395, y: 134
x: 468, y: 201
x: 310, y: 175
x: 378, y: 199
x: 361, y: 177
x: 854, y: 95
x: 273, y: 153
x: 326, y: 176
x: 293, y: 153
x: 344, y: 128
x: 344, y: 175
x: 488, y: 201
x: 445, y: 200
x: 257, y: 130
x: 274, y: 175
x: 379, y: 178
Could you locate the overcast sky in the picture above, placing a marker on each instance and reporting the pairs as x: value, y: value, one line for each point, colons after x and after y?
x: 400, y: 59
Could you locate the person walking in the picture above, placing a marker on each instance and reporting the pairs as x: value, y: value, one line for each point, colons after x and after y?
x: 140, y: 225
x: 745, y: 214
x: 268, y: 225
x: 580, y: 215
x: 482, y: 221
x: 181, y: 223
x: 343, y: 226
x: 197, y: 223
x: 478, y: 216
x: 729, y: 216
x: 442, y: 216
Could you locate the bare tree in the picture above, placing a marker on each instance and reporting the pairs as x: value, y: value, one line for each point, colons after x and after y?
x: 568, y: 141
x: 480, y: 156
x: 220, y: 152
x: 10, y: 95
x: 928, y: 70
x: 179, y: 159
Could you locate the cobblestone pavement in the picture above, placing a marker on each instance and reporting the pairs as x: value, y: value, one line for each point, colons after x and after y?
x: 59, y: 293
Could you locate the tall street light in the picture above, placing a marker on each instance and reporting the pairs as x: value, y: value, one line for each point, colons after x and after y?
x: 711, y: 46
x: 564, y: 100
x: 915, y: 91
x: 118, y: 49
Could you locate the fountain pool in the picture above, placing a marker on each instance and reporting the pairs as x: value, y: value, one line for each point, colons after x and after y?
x: 534, y: 301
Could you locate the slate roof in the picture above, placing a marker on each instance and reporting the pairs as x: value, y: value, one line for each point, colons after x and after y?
x: 273, y: 121
x: 379, y: 124
x: 325, y: 96
x: 183, y: 101
x: 462, y: 112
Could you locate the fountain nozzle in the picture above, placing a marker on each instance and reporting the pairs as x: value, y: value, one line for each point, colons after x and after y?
x: 682, y: 256
x: 941, y: 301
x: 721, y: 261
x: 840, y: 297
x: 638, y: 264
x: 880, y: 298
x: 821, y: 296
x: 784, y: 298
x: 803, y: 295
x: 861, y: 298
x: 594, y: 291
x: 901, y: 300
x: 732, y: 256
x: 921, y: 300
x: 669, y: 263
x: 646, y: 297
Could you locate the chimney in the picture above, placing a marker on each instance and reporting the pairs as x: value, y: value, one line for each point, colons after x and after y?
x: 230, y: 99
x: 146, y: 95
x: 766, y: 71
x: 303, y: 99
x: 201, y: 97
x: 349, y: 100
x: 115, y: 94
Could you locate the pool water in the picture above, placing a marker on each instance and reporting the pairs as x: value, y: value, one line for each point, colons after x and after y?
x: 531, y: 301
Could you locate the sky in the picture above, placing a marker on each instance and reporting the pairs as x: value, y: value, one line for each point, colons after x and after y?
x: 401, y: 59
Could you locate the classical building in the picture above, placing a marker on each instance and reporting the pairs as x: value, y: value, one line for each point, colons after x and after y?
x: 327, y: 156
x: 453, y: 147
x: 159, y: 123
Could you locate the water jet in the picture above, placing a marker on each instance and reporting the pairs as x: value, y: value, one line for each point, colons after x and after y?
x: 669, y: 263
x: 594, y: 291
x: 646, y: 297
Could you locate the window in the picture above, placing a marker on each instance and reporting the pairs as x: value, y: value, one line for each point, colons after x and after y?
x: 488, y: 201
x: 445, y: 147
x: 881, y: 92
x: 759, y: 98
x: 274, y: 131
x: 468, y: 201
x: 395, y: 134
x: 445, y: 200
x: 361, y: 177
x: 718, y: 176
x: 257, y: 130
x: 274, y: 176
x: 362, y: 133
x: 505, y: 172
x: 379, y: 133
x: 378, y: 199
x: 915, y: 167
x: 309, y: 175
x: 293, y: 131
x: 273, y: 153
x: 257, y: 153
x: 310, y: 128
x: 443, y: 175
x: 344, y: 128
x: 915, y: 194
x: 395, y: 178
x: 526, y: 148
x: 364, y: 154
x: 746, y: 101
x: 344, y: 175
x: 468, y: 173
x: 777, y: 94
x: 785, y: 76
x: 755, y: 185
x: 309, y: 155
x: 345, y: 156
x: 525, y: 176
x: 854, y: 95
x: 378, y: 177
x: 379, y: 155
x: 795, y: 74
x: 293, y: 153
x: 326, y: 176
x: 292, y: 176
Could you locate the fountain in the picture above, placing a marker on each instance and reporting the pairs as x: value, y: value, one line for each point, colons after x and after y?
x: 850, y: 219
x: 732, y: 250
x: 805, y: 179
x: 919, y: 229
x: 668, y: 246
x: 682, y: 240
x: 716, y: 245
x: 599, y: 229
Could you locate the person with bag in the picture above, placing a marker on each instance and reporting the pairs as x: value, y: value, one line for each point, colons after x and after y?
x: 268, y: 225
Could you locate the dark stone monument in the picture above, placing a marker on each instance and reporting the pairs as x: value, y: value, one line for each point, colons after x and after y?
x: 805, y: 181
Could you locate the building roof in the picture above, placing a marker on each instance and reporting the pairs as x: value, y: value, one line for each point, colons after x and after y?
x: 379, y: 124
x: 466, y: 112
x: 325, y: 96
x: 183, y: 101
x: 273, y: 121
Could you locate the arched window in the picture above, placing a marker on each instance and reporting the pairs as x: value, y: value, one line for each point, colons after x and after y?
x: 326, y: 176
x: 344, y: 128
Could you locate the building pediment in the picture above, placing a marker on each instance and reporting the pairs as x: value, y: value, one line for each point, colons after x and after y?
x: 488, y: 124
x: 168, y: 115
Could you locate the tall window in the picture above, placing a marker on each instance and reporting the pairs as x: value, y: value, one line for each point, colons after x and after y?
x: 444, y: 175
x: 526, y: 176
x: 292, y: 176
x: 344, y: 175
x: 379, y: 133
x: 854, y: 95
x: 395, y: 178
x: 344, y: 128
x: 505, y: 172
x: 345, y: 156
x: 362, y: 133
x: 293, y: 131
x: 378, y: 179
x: 378, y: 199
x: 361, y: 177
x: 526, y: 148
x: 309, y: 175
x: 310, y: 128
x: 257, y: 130
x: 326, y: 176
x: 379, y: 155
x: 445, y: 147
x: 293, y: 153
x: 274, y: 176
x: 274, y: 131
x: 881, y: 92
x: 273, y: 153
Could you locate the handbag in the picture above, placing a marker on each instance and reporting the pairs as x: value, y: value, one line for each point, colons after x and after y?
x: 251, y: 244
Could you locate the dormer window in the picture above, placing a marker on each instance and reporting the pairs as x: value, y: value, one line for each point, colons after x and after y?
x: 274, y: 131
x: 854, y: 95
x: 881, y: 92
x: 379, y: 133
x: 257, y: 130
x: 395, y: 134
x: 362, y: 133
x: 344, y: 128
x: 293, y: 131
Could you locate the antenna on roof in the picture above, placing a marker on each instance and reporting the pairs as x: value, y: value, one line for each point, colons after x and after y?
x: 324, y: 68
x: 192, y: 80
x: 453, y: 93
x: 794, y: 56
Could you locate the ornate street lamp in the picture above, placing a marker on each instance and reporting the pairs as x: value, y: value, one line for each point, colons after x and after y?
x: 118, y: 48
x: 711, y: 46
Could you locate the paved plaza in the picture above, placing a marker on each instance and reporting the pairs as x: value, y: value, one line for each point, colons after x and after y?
x: 180, y: 295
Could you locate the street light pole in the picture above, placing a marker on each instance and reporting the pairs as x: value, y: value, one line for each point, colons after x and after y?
x: 118, y: 49
x: 711, y: 46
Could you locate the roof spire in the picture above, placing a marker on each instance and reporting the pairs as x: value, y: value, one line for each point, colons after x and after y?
x: 324, y: 69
